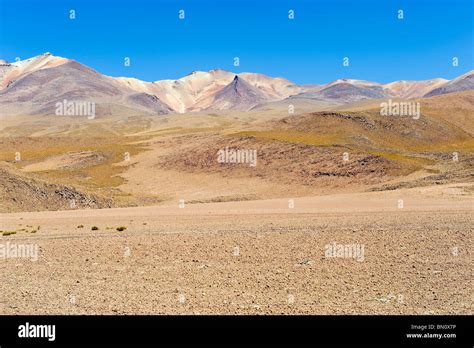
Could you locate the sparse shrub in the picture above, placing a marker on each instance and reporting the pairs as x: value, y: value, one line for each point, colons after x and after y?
x: 34, y: 231
x: 80, y: 226
x: 7, y: 233
x: 121, y: 228
x: 94, y: 228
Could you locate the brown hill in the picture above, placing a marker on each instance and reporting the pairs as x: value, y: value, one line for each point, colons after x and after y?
x: 21, y: 192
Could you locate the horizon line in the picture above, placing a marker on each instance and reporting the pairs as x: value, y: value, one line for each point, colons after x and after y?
x: 229, y: 71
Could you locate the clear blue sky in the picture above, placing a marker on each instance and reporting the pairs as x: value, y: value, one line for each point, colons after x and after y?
x: 308, y: 49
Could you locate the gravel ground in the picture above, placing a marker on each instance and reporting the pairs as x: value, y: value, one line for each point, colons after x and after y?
x: 414, y: 261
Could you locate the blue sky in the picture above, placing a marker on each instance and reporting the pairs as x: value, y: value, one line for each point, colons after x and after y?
x: 308, y: 49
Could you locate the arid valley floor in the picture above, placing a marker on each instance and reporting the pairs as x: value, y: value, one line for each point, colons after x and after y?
x: 249, y: 257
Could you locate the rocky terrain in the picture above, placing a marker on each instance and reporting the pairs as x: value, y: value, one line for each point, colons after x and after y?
x: 259, y: 257
x: 21, y: 192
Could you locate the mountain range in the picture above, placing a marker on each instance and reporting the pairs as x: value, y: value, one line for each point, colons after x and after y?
x: 35, y: 85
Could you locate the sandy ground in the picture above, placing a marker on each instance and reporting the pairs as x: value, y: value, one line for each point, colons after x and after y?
x: 248, y: 257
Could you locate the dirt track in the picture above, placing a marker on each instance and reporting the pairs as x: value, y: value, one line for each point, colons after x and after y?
x: 248, y: 257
